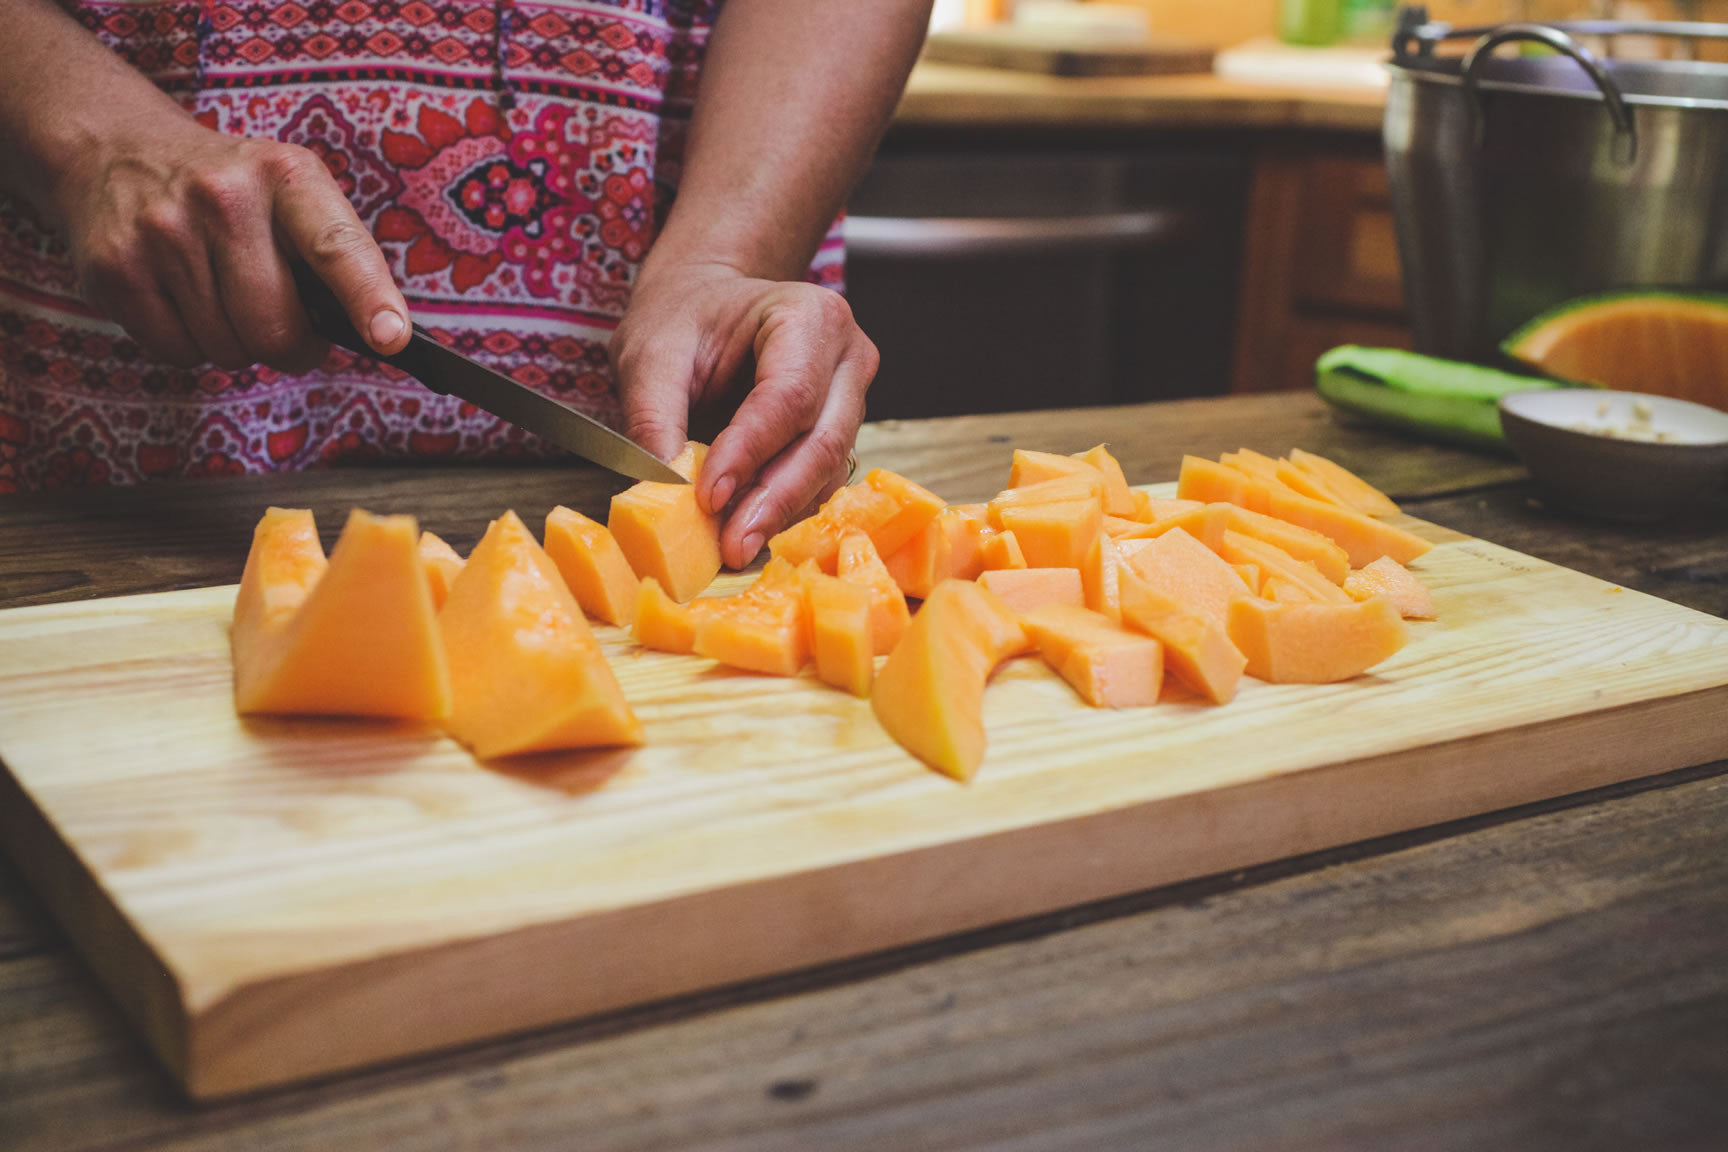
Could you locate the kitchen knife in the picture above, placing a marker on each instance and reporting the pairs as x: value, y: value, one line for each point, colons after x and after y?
x: 450, y: 373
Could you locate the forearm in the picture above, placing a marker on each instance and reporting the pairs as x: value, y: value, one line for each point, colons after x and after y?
x: 62, y: 92
x: 795, y: 95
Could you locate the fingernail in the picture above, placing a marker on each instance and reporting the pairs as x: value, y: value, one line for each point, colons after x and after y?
x: 721, y: 492
x: 386, y: 326
x: 752, y: 545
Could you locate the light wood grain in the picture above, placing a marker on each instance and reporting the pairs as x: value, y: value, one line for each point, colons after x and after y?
x: 278, y: 899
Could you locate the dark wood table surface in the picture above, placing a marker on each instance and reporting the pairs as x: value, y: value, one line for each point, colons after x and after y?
x: 1552, y: 977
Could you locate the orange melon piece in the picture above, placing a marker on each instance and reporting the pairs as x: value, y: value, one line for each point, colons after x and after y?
x: 1197, y: 648
x: 1121, y: 525
x: 762, y: 629
x: 1250, y: 574
x: 1386, y: 577
x: 839, y: 624
x: 665, y: 534
x: 1276, y: 563
x: 1055, y: 535
x: 1108, y: 666
x: 950, y: 547
x: 852, y: 507
x: 1349, y: 487
x: 1024, y: 589
x: 593, y: 566
x: 1061, y: 491
x: 1304, y: 544
x: 1148, y: 508
x: 1315, y: 643
x: 1028, y: 468
x: 1119, y: 499
x: 1261, y: 467
x: 1210, y: 482
x: 526, y: 673
x: 929, y: 693
x: 1307, y: 484
x: 352, y: 636
x: 859, y: 563
x: 917, y: 507
x: 1102, y: 580
x: 1363, y: 538
x: 1207, y: 523
x: 442, y: 564
x: 1282, y: 591
x: 662, y: 623
x: 1182, y: 567
x: 1002, y: 550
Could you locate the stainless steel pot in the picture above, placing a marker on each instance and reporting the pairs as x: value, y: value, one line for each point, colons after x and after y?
x: 1519, y: 183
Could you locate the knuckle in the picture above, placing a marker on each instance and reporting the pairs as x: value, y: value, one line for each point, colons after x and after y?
x: 337, y: 240
x: 287, y: 163
x: 164, y: 224
x: 832, y: 309
x: 227, y: 192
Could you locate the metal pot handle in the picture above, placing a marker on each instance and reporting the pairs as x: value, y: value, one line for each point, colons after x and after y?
x: 1625, y: 129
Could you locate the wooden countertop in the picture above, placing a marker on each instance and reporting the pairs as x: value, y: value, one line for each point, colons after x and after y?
x: 952, y: 96
x: 1538, y: 978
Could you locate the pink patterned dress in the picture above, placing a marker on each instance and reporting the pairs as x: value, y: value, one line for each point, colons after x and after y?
x: 512, y: 157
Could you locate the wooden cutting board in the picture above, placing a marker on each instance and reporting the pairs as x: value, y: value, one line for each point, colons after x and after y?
x: 1059, y: 54
x: 278, y: 899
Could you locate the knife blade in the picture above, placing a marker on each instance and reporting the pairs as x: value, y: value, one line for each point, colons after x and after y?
x: 450, y: 373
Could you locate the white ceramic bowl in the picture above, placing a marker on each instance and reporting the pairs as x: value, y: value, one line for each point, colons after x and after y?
x: 1619, y: 455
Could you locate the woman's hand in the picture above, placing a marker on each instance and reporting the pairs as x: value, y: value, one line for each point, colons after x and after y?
x: 693, y: 332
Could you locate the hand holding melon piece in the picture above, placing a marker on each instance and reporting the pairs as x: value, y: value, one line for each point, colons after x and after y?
x: 1386, y: 577
x: 442, y: 563
x: 526, y: 672
x: 929, y: 694
x: 592, y: 565
x: 665, y: 534
x: 1315, y: 643
x: 354, y: 636
x: 1109, y: 666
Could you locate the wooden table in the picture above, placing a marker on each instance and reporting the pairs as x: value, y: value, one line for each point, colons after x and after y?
x: 1549, y: 977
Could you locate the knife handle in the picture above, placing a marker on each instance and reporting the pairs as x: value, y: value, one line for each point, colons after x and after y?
x: 330, y: 320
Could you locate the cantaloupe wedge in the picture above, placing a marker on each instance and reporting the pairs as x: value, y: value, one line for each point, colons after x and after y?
x: 917, y: 507
x: 1275, y: 563
x: 1118, y: 497
x: 839, y: 629
x: 1024, y: 589
x: 1002, y: 550
x: 855, y: 507
x: 442, y: 564
x: 1197, y: 648
x: 1315, y: 643
x: 1351, y: 488
x: 929, y: 693
x: 593, y: 566
x: 762, y: 629
x: 662, y: 623
x: 1027, y: 467
x: 950, y: 547
x: 1100, y: 576
x: 1386, y: 577
x: 1183, y: 568
x: 858, y: 563
x: 1207, y: 523
x: 665, y: 534
x: 1065, y: 490
x: 1056, y: 535
x: 1149, y: 509
x: 1255, y: 464
x: 352, y: 636
x: 1210, y: 482
x: 1108, y: 666
x: 526, y: 673
x: 1307, y: 484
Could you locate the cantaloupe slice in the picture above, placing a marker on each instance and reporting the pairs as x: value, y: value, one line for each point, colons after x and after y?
x: 1351, y: 488
x: 1185, y: 569
x: 1197, y: 648
x: 1386, y: 577
x: 1210, y: 482
x: 1024, y: 589
x: 1207, y: 523
x: 1002, y: 550
x: 1121, y: 525
x: 762, y: 629
x: 1119, y: 499
x: 1149, y: 509
x: 1275, y: 563
x: 1281, y: 591
x: 1108, y: 666
x: 1304, y: 544
x: 917, y: 507
x: 1065, y: 490
x: 1027, y: 467
x: 1315, y: 643
x: 929, y: 693
x: 858, y: 563
x: 1100, y: 576
x: 442, y: 564
x: 1257, y: 465
x: 660, y: 622
x: 593, y: 566
x: 1306, y: 484
x: 665, y: 534
x: 855, y: 507
x: 1056, y: 535
x: 950, y: 547
x: 839, y: 628
x: 354, y: 636
x: 526, y: 673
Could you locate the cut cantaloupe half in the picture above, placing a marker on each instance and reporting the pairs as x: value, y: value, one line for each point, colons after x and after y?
x: 1002, y: 550
x: 1315, y: 643
x: 352, y: 636
x: 1185, y: 569
x: 1664, y: 343
x: 1197, y: 648
x: 858, y: 563
x: 1386, y: 577
x: 1108, y: 666
x: 593, y: 566
x: 929, y: 693
x: 526, y: 673
x: 762, y: 629
x: 1350, y: 488
x: 1024, y: 589
x: 1058, y: 535
x: 442, y: 563
x: 665, y: 534
x: 839, y: 629
x: 1275, y: 563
